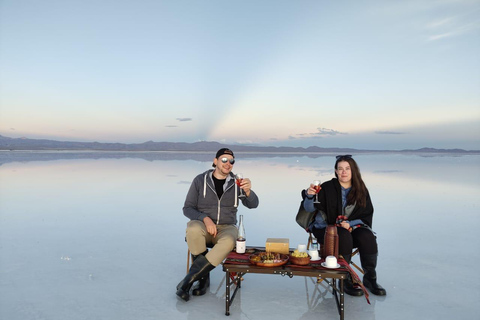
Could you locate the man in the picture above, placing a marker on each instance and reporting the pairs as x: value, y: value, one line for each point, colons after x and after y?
x: 211, y: 205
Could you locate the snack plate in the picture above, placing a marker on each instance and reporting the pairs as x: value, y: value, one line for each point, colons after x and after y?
x: 278, y: 262
x: 301, y: 261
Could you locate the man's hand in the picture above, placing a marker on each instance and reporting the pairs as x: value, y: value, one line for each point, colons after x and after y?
x: 246, y: 186
x: 211, y: 226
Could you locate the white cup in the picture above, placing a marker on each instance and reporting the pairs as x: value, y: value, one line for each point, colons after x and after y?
x: 331, y: 262
x: 313, y: 254
x: 302, y: 248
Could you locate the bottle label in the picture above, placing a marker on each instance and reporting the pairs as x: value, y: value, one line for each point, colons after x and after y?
x: 241, y: 246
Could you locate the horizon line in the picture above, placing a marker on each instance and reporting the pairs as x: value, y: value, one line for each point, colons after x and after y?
x: 242, y: 146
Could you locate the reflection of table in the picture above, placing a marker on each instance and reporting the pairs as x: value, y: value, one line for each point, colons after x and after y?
x: 235, y: 270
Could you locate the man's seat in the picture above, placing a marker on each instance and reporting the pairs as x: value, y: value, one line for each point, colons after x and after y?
x: 355, y: 252
x: 188, y: 260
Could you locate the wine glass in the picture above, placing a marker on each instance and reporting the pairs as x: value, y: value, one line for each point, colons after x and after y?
x: 238, y: 181
x: 316, y: 186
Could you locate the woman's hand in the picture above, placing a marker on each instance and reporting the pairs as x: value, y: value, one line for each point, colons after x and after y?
x: 311, y: 190
x: 345, y: 224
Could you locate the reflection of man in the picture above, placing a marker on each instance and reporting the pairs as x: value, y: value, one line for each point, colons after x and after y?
x: 211, y: 205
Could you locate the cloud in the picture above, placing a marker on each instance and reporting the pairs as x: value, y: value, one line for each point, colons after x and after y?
x: 388, y: 171
x: 440, y: 36
x: 13, y: 129
x: 452, y: 26
x: 322, y: 132
x: 178, y: 119
x: 439, y: 23
x: 328, y: 132
x: 389, y: 132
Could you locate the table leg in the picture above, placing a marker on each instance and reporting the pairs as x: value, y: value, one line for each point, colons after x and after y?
x: 339, y: 291
x: 227, y: 294
x: 342, y: 300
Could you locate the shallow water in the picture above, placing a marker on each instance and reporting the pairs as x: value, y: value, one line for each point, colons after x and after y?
x: 101, y: 236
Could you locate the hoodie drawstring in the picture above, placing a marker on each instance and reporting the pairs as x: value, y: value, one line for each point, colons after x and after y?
x: 204, y: 186
x: 236, y: 197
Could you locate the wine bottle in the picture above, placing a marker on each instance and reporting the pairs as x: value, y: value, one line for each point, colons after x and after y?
x: 240, y: 248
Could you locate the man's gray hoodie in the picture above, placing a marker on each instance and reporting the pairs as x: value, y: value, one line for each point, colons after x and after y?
x: 202, y: 200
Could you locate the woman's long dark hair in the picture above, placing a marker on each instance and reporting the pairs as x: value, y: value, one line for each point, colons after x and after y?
x: 358, y: 193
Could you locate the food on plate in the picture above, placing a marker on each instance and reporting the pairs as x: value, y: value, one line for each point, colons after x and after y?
x: 267, y: 257
x: 298, y: 254
x: 255, y: 259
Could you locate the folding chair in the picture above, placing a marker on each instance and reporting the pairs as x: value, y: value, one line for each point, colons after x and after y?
x: 188, y: 260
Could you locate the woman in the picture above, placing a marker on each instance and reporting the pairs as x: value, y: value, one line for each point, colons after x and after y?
x: 344, y: 201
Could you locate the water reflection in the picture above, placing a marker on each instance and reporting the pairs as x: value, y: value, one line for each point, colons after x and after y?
x: 118, y: 220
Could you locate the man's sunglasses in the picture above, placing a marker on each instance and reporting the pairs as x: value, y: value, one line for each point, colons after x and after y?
x: 225, y: 160
x: 345, y: 156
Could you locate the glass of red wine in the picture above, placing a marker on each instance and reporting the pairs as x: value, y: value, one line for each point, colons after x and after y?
x: 238, y: 180
x: 316, y: 186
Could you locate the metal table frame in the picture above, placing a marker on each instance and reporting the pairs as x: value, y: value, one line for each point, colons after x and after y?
x: 234, y: 273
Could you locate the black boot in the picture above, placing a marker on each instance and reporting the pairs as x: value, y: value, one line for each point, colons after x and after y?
x: 204, y: 283
x: 348, y: 286
x: 369, y: 264
x: 199, y: 268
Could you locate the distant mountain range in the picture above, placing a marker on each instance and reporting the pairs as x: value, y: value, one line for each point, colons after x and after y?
x: 18, y: 144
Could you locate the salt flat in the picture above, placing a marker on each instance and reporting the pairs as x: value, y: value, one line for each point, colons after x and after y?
x: 103, y: 238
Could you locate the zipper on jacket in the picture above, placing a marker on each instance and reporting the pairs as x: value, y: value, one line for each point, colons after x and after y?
x: 220, y: 200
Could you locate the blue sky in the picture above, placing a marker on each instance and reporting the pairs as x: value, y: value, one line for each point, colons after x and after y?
x: 363, y: 74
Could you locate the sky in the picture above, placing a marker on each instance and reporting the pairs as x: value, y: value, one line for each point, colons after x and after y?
x: 373, y: 74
